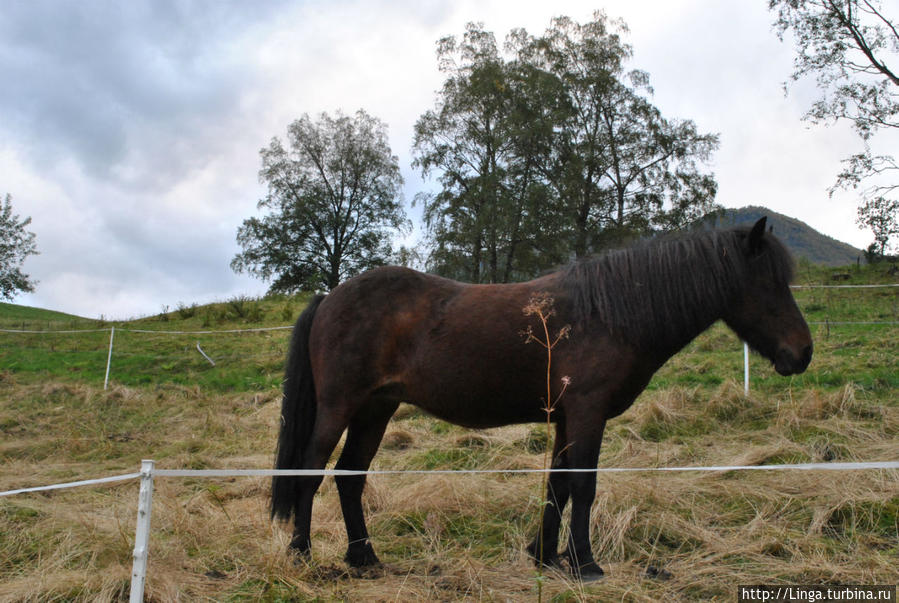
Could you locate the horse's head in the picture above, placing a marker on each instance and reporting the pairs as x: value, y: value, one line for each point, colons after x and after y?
x: 765, y: 315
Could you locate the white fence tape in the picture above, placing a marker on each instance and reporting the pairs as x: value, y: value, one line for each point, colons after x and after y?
x: 289, y: 327
x: 844, y: 286
x: 857, y: 322
x: 145, y: 331
x: 225, y: 331
x: 351, y: 473
x: 853, y: 466
x: 84, y: 482
x: 70, y: 332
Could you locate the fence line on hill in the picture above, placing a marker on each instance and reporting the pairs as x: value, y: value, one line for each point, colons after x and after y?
x: 165, y: 332
x: 112, y: 330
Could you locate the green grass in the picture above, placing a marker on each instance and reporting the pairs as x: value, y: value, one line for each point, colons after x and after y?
x: 13, y: 316
x: 249, y: 361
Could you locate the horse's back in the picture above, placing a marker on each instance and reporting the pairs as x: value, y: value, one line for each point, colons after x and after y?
x: 378, y: 294
x: 454, y: 349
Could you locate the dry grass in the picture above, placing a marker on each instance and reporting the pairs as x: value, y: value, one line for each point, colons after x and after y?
x: 445, y: 538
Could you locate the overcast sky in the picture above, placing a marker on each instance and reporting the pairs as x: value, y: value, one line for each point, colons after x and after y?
x: 130, y: 131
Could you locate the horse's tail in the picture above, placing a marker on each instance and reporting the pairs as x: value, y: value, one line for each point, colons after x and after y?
x: 297, y: 414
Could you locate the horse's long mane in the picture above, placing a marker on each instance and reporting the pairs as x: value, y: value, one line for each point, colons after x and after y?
x: 661, y: 288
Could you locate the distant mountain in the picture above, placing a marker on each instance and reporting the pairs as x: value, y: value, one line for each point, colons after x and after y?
x: 803, y: 240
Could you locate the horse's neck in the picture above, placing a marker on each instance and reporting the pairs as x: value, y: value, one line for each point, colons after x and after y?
x: 660, y: 324
x: 682, y: 323
x: 669, y: 346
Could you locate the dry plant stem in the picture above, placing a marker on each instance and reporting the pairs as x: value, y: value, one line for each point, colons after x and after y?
x: 542, y: 307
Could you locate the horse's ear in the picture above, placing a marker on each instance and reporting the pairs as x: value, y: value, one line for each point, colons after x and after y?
x: 756, y: 234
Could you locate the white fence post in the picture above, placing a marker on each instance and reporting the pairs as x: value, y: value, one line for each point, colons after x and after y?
x: 109, y: 357
x: 745, y: 369
x: 142, y: 535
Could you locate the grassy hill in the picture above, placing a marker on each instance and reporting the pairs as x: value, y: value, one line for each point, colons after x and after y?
x: 156, y: 349
x: 803, y: 240
x: 443, y: 537
x: 12, y: 315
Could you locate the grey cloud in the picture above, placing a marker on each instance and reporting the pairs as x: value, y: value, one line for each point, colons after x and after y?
x: 122, y: 82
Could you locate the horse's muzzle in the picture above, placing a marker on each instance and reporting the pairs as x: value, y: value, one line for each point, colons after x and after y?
x: 788, y: 361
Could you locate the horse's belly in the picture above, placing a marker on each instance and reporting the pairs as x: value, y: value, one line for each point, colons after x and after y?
x: 478, y: 410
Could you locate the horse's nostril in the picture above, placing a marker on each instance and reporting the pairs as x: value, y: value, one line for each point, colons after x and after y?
x: 792, y: 360
x: 807, y: 354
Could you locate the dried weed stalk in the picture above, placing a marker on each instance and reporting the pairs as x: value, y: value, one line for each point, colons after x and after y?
x: 541, y: 306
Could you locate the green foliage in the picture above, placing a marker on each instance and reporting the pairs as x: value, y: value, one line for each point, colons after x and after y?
x: 244, y: 308
x: 185, y: 311
x: 333, y: 201
x: 287, y: 313
x: 551, y: 150
x: 881, y: 215
x: 851, y: 49
x: 16, y: 244
x: 847, y: 47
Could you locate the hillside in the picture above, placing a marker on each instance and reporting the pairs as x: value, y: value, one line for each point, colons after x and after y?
x: 803, y: 240
x: 12, y: 313
x: 13, y: 316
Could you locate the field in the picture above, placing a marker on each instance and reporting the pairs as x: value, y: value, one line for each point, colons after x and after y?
x: 442, y: 537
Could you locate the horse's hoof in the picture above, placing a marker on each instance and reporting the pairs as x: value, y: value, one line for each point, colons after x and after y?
x: 299, y: 549
x: 551, y: 562
x: 588, y: 572
x: 550, y: 559
x: 361, y: 555
x: 370, y: 572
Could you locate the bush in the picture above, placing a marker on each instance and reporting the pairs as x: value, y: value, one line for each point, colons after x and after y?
x: 185, y: 311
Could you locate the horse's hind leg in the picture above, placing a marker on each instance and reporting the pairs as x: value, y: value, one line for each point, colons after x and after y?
x: 545, y: 546
x: 325, y: 435
x: 363, y: 438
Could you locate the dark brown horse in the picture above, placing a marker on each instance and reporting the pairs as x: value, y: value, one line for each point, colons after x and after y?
x: 456, y: 350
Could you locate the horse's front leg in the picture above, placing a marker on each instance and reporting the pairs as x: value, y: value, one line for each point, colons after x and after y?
x: 585, y: 438
x: 544, y: 549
